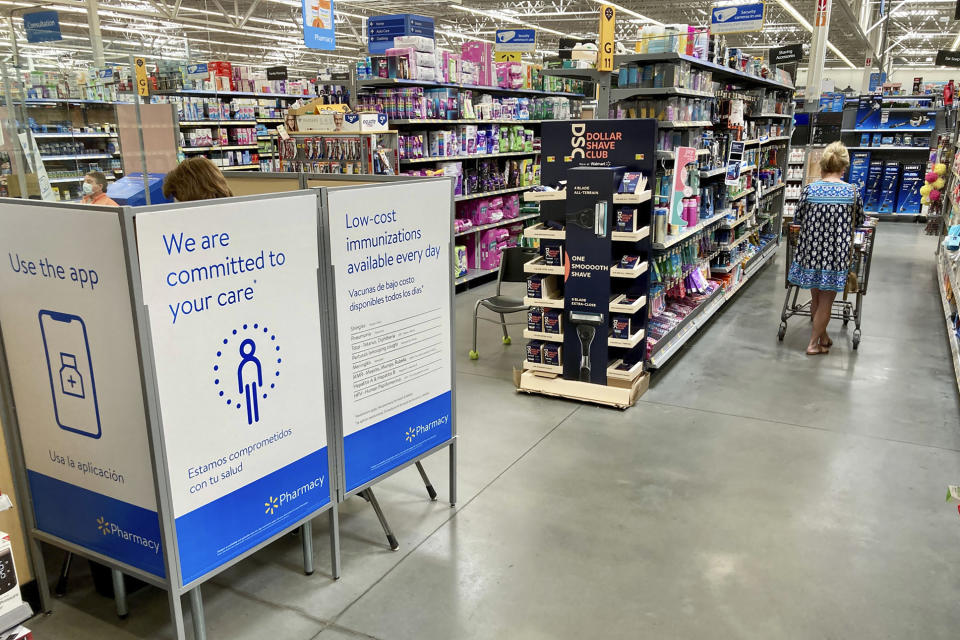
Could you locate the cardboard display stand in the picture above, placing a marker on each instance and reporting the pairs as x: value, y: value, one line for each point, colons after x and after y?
x: 170, y: 375
x: 600, y: 254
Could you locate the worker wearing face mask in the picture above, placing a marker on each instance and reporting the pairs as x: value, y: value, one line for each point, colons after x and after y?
x: 95, y: 190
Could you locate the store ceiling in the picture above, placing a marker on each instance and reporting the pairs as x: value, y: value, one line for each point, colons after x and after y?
x: 267, y: 32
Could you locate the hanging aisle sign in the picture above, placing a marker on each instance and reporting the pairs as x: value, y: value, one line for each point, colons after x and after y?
x: 72, y: 354
x: 786, y: 55
x: 235, y: 331
x: 608, y: 21
x: 948, y: 58
x: 42, y: 26
x: 390, y: 250
x: 737, y: 18
x: 318, y: 25
x: 516, y: 40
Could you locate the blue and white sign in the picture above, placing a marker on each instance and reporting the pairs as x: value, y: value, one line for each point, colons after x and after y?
x: 516, y: 40
x: 737, y: 18
x: 235, y: 326
x: 199, y: 69
x: 391, y: 261
x: 68, y: 330
x: 318, y: 25
x: 42, y: 26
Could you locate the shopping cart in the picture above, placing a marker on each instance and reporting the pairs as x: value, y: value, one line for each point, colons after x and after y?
x: 843, y: 309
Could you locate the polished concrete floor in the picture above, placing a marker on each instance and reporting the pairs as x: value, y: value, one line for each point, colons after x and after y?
x: 753, y: 492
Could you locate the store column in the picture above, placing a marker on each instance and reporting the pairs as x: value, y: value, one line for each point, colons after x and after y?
x: 818, y: 54
x: 96, y: 39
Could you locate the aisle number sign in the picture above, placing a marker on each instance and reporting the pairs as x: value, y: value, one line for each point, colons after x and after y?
x: 608, y: 17
x: 140, y: 67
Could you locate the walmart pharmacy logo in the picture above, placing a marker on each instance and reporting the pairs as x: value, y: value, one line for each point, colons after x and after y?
x: 103, y: 526
x: 272, y: 505
x: 410, y: 434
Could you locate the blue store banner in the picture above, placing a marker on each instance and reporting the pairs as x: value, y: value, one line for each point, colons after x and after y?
x: 42, y: 26
x: 737, y: 18
x: 318, y: 25
x: 516, y: 40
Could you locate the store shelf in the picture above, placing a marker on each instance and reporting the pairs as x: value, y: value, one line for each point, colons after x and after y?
x: 552, y: 303
x: 636, y: 272
x: 798, y: 163
x: 898, y: 130
x: 747, y: 168
x: 60, y: 180
x: 671, y: 155
x: 638, y: 92
x: 473, y: 274
x: 769, y: 191
x: 478, y: 156
x: 45, y: 136
x: 757, y: 116
x: 218, y: 123
x: 774, y: 139
x: 90, y: 156
x: 889, y: 148
x: 51, y: 101
x: 487, y: 194
x: 943, y: 273
x: 730, y: 267
x: 631, y: 198
x: 680, y: 124
x: 543, y: 368
x: 590, y: 75
x: 542, y: 335
x: 536, y: 266
x: 718, y: 70
x: 238, y: 167
x: 620, y: 374
x: 541, y: 231
x: 741, y: 194
x: 618, y: 306
x: 540, y: 196
x: 394, y: 82
x: 673, y: 340
x: 232, y: 94
x: 629, y: 343
x: 277, y: 121
x: 235, y: 147
x: 426, y: 121
x: 492, y: 225
x: 630, y: 236
x: 737, y: 242
x: 701, y: 226
x: 710, y: 173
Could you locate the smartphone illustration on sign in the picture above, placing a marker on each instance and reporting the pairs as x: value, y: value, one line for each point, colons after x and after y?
x: 71, y: 373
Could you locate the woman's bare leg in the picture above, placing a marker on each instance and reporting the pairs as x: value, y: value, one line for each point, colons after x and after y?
x: 814, y: 301
x: 825, y: 304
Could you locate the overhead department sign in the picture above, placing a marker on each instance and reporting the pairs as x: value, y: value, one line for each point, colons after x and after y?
x: 737, y: 18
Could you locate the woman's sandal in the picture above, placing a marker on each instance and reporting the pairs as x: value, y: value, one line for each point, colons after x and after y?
x: 821, y: 350
x: 828, y: 343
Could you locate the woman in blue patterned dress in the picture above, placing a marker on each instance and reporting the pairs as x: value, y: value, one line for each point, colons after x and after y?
x: 828, y: 211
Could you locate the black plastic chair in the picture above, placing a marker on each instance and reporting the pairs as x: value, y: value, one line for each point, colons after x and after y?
x: 512, y: 260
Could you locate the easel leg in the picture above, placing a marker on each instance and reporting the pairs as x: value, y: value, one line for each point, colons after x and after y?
x: 426, y: 482
x: 176, y: 614
x: 372, y: 499
x: 40, y: 575
x: 335, y: 542
x: 453, y: 474
x: 61, y: 589
x: 196, y: 608
x: 119, y: 593
x: 306, y: 541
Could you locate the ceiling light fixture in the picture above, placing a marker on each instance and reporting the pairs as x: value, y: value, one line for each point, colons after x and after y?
x: 630, y: 13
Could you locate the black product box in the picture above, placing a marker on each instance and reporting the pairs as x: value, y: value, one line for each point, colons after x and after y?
x: 629, y: 262
x: 552, y: 354
x: 535, y: 319
x: 542, y: 286
x: 535, y: 351
x: 621, y: 327
x: 553, y: 321
x: 627, y: 219
x: 552, y: 252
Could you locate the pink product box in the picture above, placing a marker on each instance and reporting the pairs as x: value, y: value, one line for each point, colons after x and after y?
x: 468, y: 139
x: 492, y: 241
x: 450, y: 66
x: 417, y: 58
x: 419, y: 43
x: 511, y: 207
x: 480, y: 54
x: 423, y: 73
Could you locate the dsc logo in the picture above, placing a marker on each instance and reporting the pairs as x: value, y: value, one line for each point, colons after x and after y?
x: 578, y: 140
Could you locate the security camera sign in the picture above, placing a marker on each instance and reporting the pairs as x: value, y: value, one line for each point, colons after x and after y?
x: 737, y: 18
x: 516, y: 40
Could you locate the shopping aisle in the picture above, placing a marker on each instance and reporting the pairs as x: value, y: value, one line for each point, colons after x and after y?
x: 754, y: 492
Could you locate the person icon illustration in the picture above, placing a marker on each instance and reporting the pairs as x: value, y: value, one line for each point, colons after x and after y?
x: 250, y: 382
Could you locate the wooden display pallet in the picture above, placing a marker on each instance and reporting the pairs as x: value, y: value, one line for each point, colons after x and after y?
x: 621, y: 397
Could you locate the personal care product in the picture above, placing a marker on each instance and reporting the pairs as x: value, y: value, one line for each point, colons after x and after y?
x: 552, y: 251
x: 629, y: 262
x: 627, y: 219
x: 621, y: 327
x: 542, y: 286
x: 535, y: 351
x: 552, y: 354
x: 535, y: 319
x: 553, y: 321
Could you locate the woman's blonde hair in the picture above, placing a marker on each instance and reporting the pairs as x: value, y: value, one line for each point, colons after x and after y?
x: 196, y: 179
x: 835, y: 158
